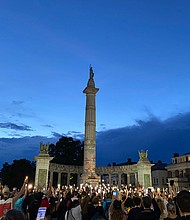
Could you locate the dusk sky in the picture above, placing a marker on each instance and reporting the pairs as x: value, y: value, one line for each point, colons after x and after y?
x: 140, y: 54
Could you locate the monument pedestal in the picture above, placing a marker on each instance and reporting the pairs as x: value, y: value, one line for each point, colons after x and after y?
x: 42, y: 167
x: 91, y: 179
x: 144, y: 174
x: 144, y: 170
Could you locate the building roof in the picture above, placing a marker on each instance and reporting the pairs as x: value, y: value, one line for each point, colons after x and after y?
x: 159, y: 166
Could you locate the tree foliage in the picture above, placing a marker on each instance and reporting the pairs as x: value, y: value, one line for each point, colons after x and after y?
x: 13, y: 174
x: 67, y: 151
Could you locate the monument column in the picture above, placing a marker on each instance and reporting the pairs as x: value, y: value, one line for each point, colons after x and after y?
x: 89, y: 176
x: 42, y: 167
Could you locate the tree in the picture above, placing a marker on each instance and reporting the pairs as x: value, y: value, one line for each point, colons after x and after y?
x: 14, y: 174
x: 67, y: 151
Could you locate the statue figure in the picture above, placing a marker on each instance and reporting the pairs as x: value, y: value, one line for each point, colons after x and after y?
x: 143, y: 155
x: 91, y: 73
x: 44, y: 148
x: 91, y: 80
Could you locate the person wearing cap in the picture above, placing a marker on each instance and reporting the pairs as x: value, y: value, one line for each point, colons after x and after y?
x: 183, y: 203
x: 7, y: 203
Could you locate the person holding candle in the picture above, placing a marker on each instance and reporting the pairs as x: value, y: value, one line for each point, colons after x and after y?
x: 7, y: 203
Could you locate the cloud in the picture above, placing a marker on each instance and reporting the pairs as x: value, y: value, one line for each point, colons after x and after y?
x: 14, y: 102
x: 16, y: 109
x: 25, y: 147
x: 9, y: 125
x: 48, y: 126
x: 57, y: 135
x: 75, y: 134
x: 160, y: 138
x: 102, y: 127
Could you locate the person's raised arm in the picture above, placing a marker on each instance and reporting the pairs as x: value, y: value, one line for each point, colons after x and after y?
x: 22, y: 190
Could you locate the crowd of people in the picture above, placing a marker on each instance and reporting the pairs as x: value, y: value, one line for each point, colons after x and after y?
x: 88, y: 203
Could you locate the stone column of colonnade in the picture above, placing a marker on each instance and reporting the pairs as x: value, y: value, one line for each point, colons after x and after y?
x: 51, y: 177
x: 68, y: 178
x: 110, y: 179
x: 119, y: 180
x: 120, y: 177
x: 128, y: 179
x: 59, y: 178
x: 136, y: 179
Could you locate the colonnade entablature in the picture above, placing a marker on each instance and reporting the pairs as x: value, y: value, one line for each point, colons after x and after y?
x: 117, y: 169
x: 113, y: 175
x: 61, y: 168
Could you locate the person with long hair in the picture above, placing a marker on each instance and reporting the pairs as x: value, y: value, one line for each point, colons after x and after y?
x: 161, y: 206
x: 116, y: 212
x: 171, y: 208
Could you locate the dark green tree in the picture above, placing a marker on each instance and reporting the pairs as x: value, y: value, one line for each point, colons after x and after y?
x: 67, y: 151
x: 14, y: 174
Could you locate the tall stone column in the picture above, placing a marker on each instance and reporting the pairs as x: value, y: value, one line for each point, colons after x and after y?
x: 89, y: 176
x: 42, y: 167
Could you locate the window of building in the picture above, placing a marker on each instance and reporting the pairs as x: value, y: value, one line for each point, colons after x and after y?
x: 169, y: 174
x: 177, y: 173
x: 154, y: 180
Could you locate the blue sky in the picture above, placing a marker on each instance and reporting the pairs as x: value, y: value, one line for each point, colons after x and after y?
x: 139, y: 51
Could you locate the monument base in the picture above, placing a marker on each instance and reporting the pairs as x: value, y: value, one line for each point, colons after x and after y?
x: 91, y: 179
